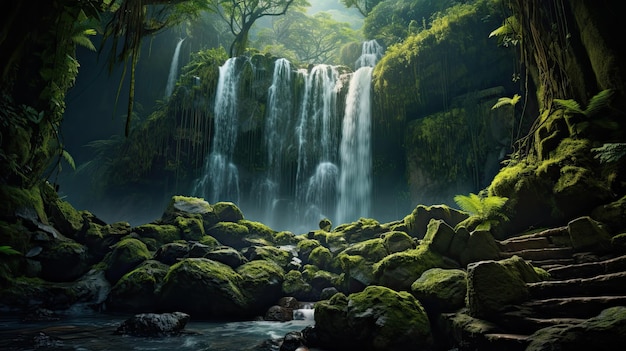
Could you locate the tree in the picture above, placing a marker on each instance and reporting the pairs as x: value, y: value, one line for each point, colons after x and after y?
x: 241, y: 15
x: 364, y: 6
x: 310, y: 39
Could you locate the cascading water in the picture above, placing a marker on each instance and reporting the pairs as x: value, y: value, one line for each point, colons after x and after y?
x: 173, y: 75
x: 278, y: 124
x: 316, y: 177
x: 220, y: 177
x: 355, y: 182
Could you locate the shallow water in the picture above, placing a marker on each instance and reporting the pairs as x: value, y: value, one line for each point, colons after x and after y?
x: 95, y: 332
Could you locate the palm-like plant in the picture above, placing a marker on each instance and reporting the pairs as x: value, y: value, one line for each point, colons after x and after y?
x: 483, y: 207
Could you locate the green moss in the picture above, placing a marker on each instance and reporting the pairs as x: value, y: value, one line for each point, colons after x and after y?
x: 261, y: 272
x: 230, y: 234
x: 18, y: 199
x: 305, y: 246
x: 372, y: 250
x: 397, y: 241
x: 284, y: 238
x: 126, y: 255
x: 161, y: 233
x: 398, y: 271
x: 258, y: 229
x: 227, y: 212
x: 190, y: 228
x: 447, y: 287
x: 295, y: 285
x: 136, y: 291
x: 321, y: 257
x: 209, y: 241
x: 272, y: 253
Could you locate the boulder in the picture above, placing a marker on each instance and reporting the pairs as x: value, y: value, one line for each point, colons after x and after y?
x: 189, y: 207
x: 126, y: 255
x: 480, y: 246
x: 417, y: 222
x: 377, y: 318
x: 281, y: 257
x: 588, y: 234
x: 230, y: 234
x: 398, y: 271
x: 261, y: 283
x: 172, y: 253
x: 439, y: 236
x: 441, y: 290
x: 227, y: 255
x: 363, y: 229
x: 227, y: 212
x: 190, y: 228
x: 63, y: 260
x: 190, y: 282
x: 397, y: 241
x: 136, y: 291
x: 154, y: 325
x: 156, y: 235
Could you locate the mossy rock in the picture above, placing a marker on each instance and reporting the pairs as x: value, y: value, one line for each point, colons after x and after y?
x: 305, y: 247
x: 100, y: 238
x: 228, y: 256
x: 358, y: 271
x: 171, y: 253
x: 578, y: 190
x: 441, y: 289
x: 230, y: 234
x: 136, y: 291
x: 19, y: 201
x: 191, y: 229
x: 587, y: 234
x: 271, y: 253
x: 398, y: 271
x: 397, y: 241
x: 189, y: 207
x: 480, y: 246
x: 262, y: 283
x: 492, y: 285
x: 160, y: 233
x: 417, y: 222
x: 321, y: 257
x: 125, y: 256
x: 363, y: 229
x: 439, y: 236
x: 190, y: 282
x: 209, y: 241
x: 258, y: 230
x: 613, y: 215
x: 227, y: 212
x: 372, y: 250
x: 295, y: 285
x: 64, y: 261
x: 377, y: 318
x: 64, y: 217
x: 284, y: 238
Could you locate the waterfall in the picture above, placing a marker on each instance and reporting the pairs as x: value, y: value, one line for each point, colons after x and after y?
x: 220, y: 178
x: 173, y: 75
x: 278, y: 124
x: 355, y: 181
x: 317, y: 140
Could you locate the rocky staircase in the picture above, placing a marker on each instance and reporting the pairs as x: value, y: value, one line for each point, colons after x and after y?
x: 582, y: 284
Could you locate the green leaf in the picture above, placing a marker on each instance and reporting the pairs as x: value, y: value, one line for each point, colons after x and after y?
x: 8, y: 250
x: 503, y: 101
x: 69, y: 159
x: 570, y: 105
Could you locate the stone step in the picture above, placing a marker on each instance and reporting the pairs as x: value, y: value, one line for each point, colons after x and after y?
x: 573, y: 307
x: 589, y: 269
x: 604, y: 284
x: 523, y: 320
x: 529, y: 243
x: 505, y: 341
x: 541, y: 254
x: 553, y: 263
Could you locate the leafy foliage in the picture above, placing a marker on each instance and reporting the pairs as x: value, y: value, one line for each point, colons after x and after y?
x: 503, y: 101
x: 597, y: 102
x: 8, y: 251
x: 610, y: 152
x: 484, y: 207
x: 364, y: 6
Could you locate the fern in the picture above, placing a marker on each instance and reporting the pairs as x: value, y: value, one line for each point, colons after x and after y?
x: 503, y: 101
x: 610, y: 152
x: 69, y: 159
x: 8, y: 250
x: 482, y: 207
x: 597, y: 102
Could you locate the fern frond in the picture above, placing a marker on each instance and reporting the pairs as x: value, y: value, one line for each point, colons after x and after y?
x: 598, y: 101
x: 69, y: 159
x: 506, y: 101
x: 470, y: 204
x: 570, y: 105
x: 610, y: 152
x: 8, y: 250
x: 508, y: 27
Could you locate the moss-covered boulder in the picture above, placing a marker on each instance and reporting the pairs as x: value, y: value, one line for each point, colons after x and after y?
x: 417, y: 221
x: 398, y: 271
x: 154, y: 235
x: 99, y: 237
x: 230, y: 234
x: 125, y: 256
x: 295, y: 285
x: 63, y: 216
x: 203, y: 289
x: 321, y: 257
x: 189, y: 207
x: 480, y: 245
x: 63, y: 260
x: 280, y: 256
x: 191, y: 229
x: 136, y: 291
x: 363, y: 229
x: 492, y: 285
x: 258, y: 230
x: 262, y: 283
x: 612, y: 214
x: 305, y: 247
x: 172, y: 252
x: 588, y: 234
x: 440, y: 289
x: 377, y: 318
x: 227, y: 212
x: 372, y: 250
x: 227, y: 255
x: 397, y: 241
x: 358, y: 271
x: 439, y: 236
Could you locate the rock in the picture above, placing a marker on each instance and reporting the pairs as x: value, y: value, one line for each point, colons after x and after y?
x: 613, y: 214
x: 262, y: 283
x: 491, y: 285
x: 289, y: 302
x: 227, y: 212
x: 63, y: 260
x: 417, y: 222
x: 189, y: 282
x: 190, y: 228
x: 281, y: 257
x: 295, y: 285
x: 325, y: 224
x: 607, y: 331
x: 156, y: 235
x: 136, y: 291
x: 358, y: 271
x: 171, y: 253
x: 279, y: 314
x: 321, y: 257
x: 327, y: 293
x: 398, y: 271
x: 377, y: 318
x: 397, y: 241
x: 441, y: 289
x: 292, y: 341
x: 154, y: 325
x: 439, y: 236
x: 363, y: 229
x: 199, y: 250
x: 480, y: 246
x: 587, y: 234
x: 227, y: 255
x: 230, y: 234
x: 126, y: 255
x: 189, y: 207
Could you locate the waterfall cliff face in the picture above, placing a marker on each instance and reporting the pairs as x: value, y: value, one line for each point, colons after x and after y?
x: 315, y: 146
